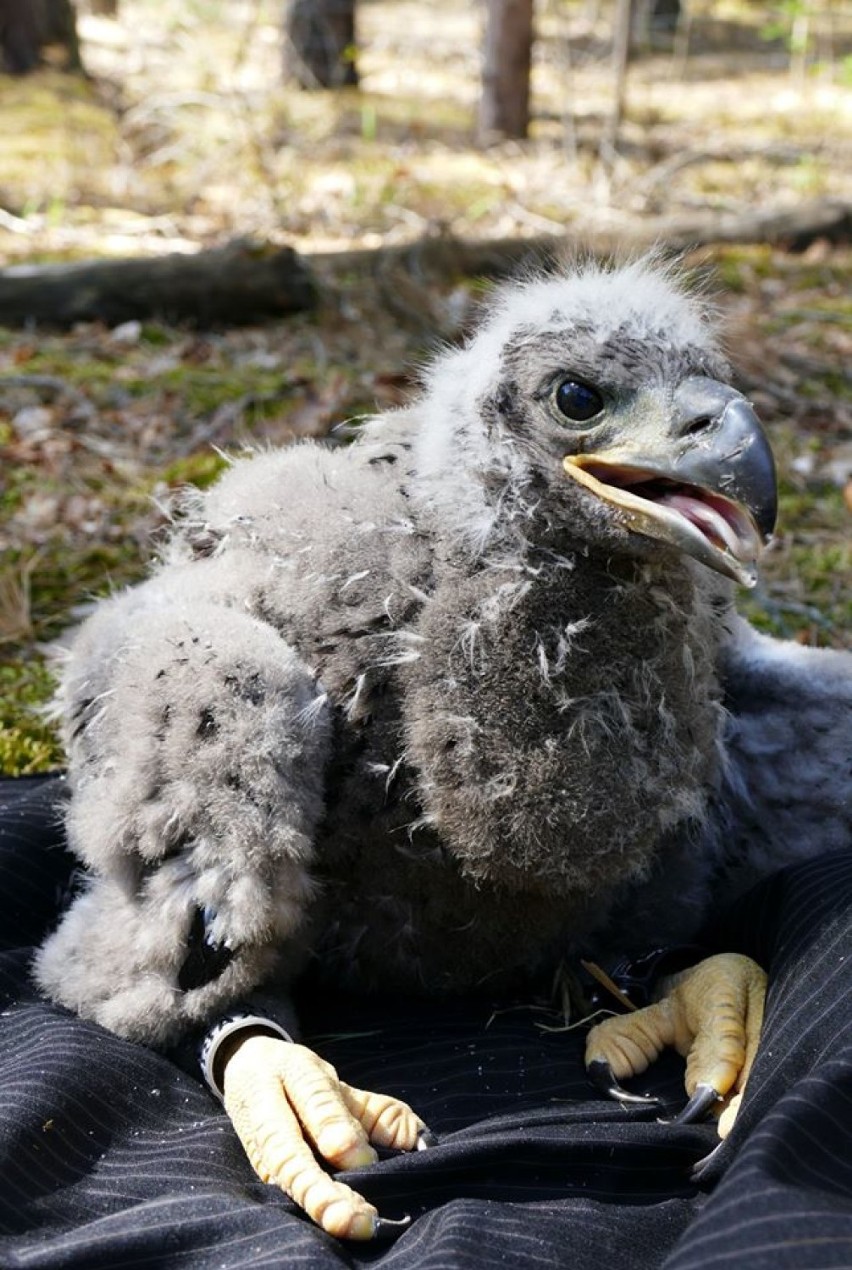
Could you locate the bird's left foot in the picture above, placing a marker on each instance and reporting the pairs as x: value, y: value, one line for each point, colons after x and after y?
x: 711, y: 1014
x: 293, y: 1115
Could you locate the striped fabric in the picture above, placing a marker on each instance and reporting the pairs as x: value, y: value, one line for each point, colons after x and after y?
x: 113, y: 1156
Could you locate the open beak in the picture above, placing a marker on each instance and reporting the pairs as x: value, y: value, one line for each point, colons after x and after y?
x: 703, y: 480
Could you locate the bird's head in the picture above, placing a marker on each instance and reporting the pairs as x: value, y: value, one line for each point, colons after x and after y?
x: 596, y: 406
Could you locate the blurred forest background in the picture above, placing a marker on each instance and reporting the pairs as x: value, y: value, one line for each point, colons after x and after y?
x: 407, y: 157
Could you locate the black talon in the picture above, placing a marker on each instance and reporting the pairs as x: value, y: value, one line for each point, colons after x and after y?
x: 425, y: 1139
x: 700, y: 1169
x: 205, y: 960
x: 601, y: 1075
x: 699, y: 1105
x: 384, y: 1228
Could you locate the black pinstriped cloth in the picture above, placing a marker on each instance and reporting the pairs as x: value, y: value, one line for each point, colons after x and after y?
x: 112, y: 1156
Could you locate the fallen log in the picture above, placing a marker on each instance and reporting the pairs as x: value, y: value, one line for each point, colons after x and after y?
x: 240, y: 283
x: 246, y: 282
x: 793, y: 229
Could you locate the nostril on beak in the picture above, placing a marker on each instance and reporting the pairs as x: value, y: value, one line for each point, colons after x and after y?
x: 699, y: 404
x: 696, y: 425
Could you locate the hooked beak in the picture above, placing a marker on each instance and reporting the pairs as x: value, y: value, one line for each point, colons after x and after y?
x: 702, y: 480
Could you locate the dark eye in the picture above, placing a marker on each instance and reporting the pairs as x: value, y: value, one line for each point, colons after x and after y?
x: 577, y: 401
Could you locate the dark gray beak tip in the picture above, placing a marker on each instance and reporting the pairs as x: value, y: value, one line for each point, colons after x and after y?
x: 724, y: 446
x: 756, y: 478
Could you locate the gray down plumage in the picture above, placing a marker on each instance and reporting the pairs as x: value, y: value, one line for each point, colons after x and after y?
x: 427, y: 711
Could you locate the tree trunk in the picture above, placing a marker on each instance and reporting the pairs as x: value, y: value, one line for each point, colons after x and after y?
x: 655, y: 22
x: 29, y: 26
x: 230, y: 286
x: 60, y: 27
x: 504, y: 109
x: 319, y: 43
x: 620, y: 56
x: 20, y: 36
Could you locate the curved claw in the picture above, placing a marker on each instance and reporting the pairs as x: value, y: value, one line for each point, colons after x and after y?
x: 426, y: 1139
x: 699, y: 1106
x: 701, y: 1168
x: 603, y: 1078
x: 384, y: 1228
x: 288, y: 1106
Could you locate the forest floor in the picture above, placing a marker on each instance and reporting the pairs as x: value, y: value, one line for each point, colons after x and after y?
x: 183, y: 138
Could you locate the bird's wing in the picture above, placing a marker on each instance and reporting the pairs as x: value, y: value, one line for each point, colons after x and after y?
x: 197, y: 744
x: 787, y: 791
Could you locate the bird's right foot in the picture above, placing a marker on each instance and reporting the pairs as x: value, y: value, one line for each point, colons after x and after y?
x: 711, y: 1014
x: 289, y: 1106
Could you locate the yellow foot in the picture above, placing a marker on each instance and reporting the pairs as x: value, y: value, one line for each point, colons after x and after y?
x: 286, y: 1103
x: 711, y: 1014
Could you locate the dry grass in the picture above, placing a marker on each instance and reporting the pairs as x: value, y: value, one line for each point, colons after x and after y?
x: 187, y: 135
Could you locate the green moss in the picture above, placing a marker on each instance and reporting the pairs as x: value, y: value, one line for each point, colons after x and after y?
x: 817, y: 620
x: 200, y: 469
x: 157, y: 336
x: 94, y: 375
x: 16, y: 480
x: 28, y: 742
x: 836, y: 383
x: 819, y: 506
x: 822, y: 567
x: 825, y: 384
x: 805, y: 592
x: 739, y: 266
x: 204, y: 389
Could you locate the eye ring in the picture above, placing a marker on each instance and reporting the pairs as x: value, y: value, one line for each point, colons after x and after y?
x: 576, y: 400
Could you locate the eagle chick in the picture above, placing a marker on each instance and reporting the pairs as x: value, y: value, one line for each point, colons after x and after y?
x: 445, y: 706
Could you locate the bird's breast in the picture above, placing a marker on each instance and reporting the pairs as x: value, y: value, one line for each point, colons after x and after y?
x: 562, y: 723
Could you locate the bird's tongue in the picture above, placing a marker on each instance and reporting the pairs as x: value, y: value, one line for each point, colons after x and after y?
x: 725, y: 525
x: 720, y: 520
x: 709, y: 519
